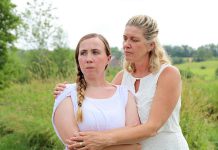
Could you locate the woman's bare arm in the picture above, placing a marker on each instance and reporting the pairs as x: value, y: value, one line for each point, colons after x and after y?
x: 64, y: 120
x: 166, y: 96
x: 132, y: 117
x: 165, y: 99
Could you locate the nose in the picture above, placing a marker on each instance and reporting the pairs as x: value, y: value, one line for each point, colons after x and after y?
x: 89, y: 58
x: 126, y: 44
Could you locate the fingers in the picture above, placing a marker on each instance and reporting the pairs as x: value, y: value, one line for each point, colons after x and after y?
x: 77, y: 145
x: 77, y: 138
x: 59, y: 88
x: 70, y: 142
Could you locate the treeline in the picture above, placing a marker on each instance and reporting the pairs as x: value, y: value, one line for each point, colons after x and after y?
x: 180, y: 54
x: 36, y: 28
x: 23, y: 66
x: 26, y: 65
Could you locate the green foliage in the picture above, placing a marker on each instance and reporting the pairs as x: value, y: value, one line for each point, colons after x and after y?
x: 26, y: 117
x: 202, y: 55
x: 177, y: 60
x: 179, y: 51
x: 111, y: 72
x: 186, y: 73
x: 40, y: 64
x: 216, y: 73
x: 196, y: 69
x: 23, y: 66
x: 65, y: 62
x: 116, y: 52
x: 196, y: 116
x: 14, y: 70
x: 8, y: 22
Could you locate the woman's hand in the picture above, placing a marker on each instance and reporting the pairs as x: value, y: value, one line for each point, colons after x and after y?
x: 89, y: 141
x: 59, y: 88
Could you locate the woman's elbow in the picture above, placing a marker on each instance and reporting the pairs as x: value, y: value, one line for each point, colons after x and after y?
x: 152, y: 129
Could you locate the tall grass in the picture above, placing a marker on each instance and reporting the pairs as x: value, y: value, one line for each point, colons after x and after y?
x: 25, y: 117
x: 196, y: 121
x: 25, y: 114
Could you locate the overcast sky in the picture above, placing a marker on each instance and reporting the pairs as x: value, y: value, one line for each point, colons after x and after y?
x: 181, y: 22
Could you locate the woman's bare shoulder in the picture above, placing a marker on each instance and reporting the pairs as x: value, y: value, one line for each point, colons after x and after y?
x: 118, y: 78
x: 170, y: 73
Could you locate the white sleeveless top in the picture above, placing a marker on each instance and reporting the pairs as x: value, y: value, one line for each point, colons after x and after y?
x: 98, y: 114
x: 169, y: 136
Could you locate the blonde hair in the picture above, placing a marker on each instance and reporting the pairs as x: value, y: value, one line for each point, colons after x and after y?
x: 80, y: 80
x: 150, y: 30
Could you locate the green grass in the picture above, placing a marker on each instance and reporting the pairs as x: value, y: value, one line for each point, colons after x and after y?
x: 204, y: 70
x: 199, y: 115
x: 25, y: 113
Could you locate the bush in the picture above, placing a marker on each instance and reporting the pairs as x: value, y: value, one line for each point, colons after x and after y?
x: 203, y: 67
x: 187, y: 74
x: 216, y: 73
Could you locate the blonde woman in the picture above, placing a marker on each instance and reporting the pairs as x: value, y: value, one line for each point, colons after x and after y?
x: 157, y: 87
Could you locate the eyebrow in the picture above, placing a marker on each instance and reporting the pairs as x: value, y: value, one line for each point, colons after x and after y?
x: 91, y: 49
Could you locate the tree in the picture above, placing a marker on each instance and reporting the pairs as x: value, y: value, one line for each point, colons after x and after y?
x: 40, y: 27
x: 8, y: 22
x: 201, y: 54
x: 116, y: 52
x: 60, y: 39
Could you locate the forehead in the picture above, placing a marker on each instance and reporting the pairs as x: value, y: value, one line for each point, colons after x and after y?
x: 133, y: 31
x: 92, y: 43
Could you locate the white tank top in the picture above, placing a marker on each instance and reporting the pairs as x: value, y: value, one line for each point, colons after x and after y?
x: 169, y: 136
x: 98, y: 114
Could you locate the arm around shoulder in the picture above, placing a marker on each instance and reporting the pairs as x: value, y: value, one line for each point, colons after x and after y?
x: 167, y: 94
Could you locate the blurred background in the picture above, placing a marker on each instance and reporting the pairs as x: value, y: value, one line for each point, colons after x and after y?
x: 37, y: 46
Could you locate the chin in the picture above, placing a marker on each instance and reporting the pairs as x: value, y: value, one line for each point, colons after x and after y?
x: 129, y: 59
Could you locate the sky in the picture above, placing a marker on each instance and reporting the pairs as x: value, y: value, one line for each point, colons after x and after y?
x: 180, y: 22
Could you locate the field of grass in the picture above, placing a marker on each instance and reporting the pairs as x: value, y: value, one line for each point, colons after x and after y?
x: 25, y: 112
x: 204, y: 70
x: 25, y: 117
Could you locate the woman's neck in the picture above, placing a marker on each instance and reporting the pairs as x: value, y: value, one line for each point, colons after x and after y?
x: 95, y: 83
x: 142, y: 68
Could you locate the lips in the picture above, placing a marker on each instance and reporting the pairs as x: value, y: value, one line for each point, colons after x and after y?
x: 128, y: 53
x: 89, y: 67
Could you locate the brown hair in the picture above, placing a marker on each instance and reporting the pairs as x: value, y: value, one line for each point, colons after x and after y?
x: 150, y: 30
x: 80, y: 80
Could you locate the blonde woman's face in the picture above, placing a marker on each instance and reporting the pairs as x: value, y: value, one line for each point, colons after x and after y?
x: 135, y: 46
x: 92, y: 58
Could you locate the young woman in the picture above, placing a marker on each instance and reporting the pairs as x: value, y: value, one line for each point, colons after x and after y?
x: 92, y: 103
x: 157, y: 87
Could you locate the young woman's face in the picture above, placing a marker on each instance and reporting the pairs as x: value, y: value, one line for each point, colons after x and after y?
x: 135, y: 46
x: 92, y: 58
